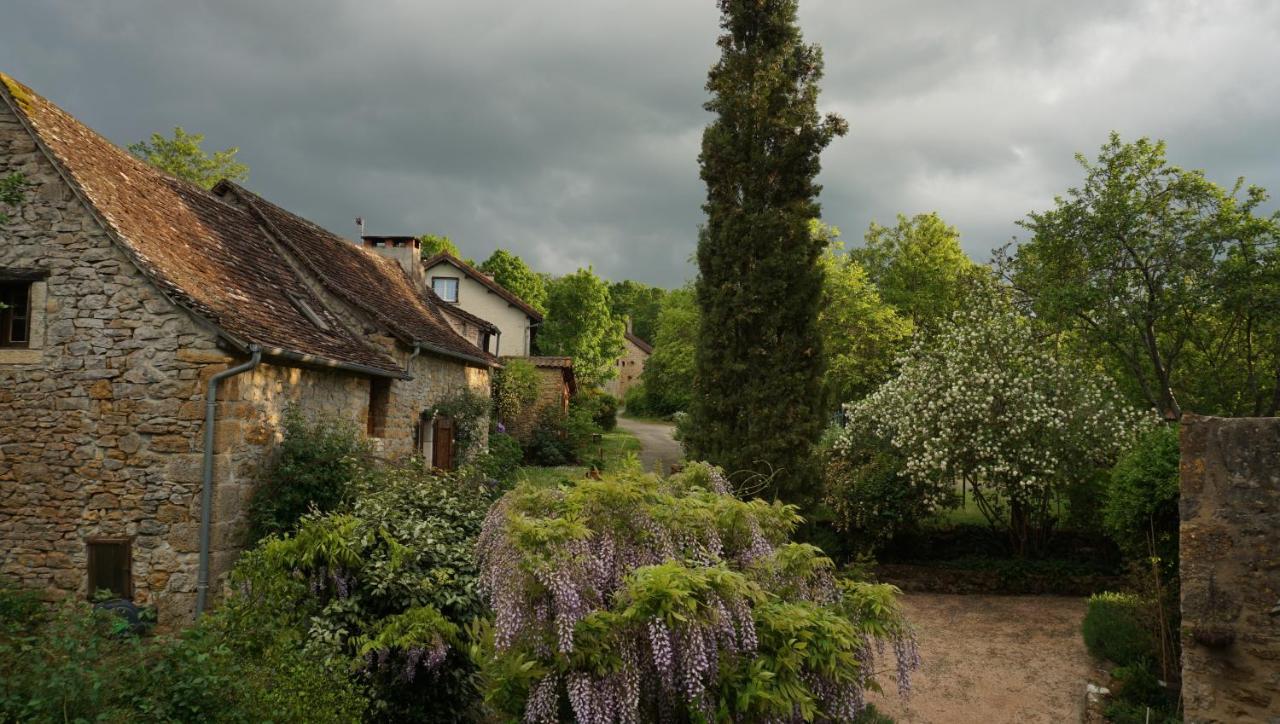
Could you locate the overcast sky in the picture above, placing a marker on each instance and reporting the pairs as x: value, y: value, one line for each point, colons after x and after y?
x: 568, y: 130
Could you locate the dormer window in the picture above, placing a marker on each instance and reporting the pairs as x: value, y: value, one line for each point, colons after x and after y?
x: 446, y: 288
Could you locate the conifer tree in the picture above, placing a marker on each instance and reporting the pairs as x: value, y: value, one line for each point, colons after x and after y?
x: 758, y: 389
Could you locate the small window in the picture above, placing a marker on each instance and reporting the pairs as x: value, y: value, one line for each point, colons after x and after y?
x: 15, y: 314
x: 379, y: 400
x: 445, y: 287
x: 110, y: 568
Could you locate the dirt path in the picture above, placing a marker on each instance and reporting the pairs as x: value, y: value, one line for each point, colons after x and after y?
x: 993, y: 659
x: 657, y: 446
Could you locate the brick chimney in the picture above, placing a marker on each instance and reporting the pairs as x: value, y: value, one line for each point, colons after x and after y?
x: 407, y: 250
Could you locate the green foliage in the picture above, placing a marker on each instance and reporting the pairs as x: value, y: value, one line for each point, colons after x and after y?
x: 641, y: 303
x: 13, y: 191
x: 1140, y: 511
x: 433, y: 244
x: 183, y: 157
x: 918, y: 267
x: 601, y: 407
x: 77, y: 665
x: 668, y: 373
x: 1114, y: 629
x: 1167, y: 276
x: 861, y: 333
x: 514, y: 275
x: 871, y: 497
x: 502, y: 460
x: 312, y: 469
x: 758, y: 401
x: 469, y: 411
x: 380, y: 590
x: 580, y: 325
x: 550, y: 444
x: 515, y: 387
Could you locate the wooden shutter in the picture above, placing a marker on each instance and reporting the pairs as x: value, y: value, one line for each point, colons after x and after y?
x: 442, y: 444
x: 111, y: 567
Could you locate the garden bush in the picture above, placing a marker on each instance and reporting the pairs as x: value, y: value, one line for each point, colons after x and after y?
x: 636, y: 598
x: 380, y: 588
x: 1115, y: 628
x: 311, y: 469
x: 602, y: 407
x: 1141, y: 500
x: 78, y: 664
x: 502, y: 460
x: 549, y: 443
x: 515, y: 387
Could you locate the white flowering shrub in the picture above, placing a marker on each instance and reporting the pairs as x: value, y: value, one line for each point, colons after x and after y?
x: 988, y: 402
x: 640, y: 599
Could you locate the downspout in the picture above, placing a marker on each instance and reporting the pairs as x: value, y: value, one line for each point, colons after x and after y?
x: 497, y: 345
x: 206, y: 491
x: 408, y: 365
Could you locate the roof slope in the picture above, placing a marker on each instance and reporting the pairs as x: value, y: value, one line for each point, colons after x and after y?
x: 480, y: 276
x: 370, y: 282
x: 204, y: 253
x: 643, y: 345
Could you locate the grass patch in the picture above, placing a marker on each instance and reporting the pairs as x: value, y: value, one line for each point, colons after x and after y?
x: 615, y: 451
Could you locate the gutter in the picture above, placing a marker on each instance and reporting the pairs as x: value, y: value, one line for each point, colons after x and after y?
x: 206, y: 490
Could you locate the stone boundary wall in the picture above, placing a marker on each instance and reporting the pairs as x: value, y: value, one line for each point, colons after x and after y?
x: 1230, y: 569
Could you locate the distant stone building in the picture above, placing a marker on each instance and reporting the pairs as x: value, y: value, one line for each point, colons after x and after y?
x: 470, y: 290
x: 127, y: 292
x: 635, y: 353
x: 556, y: 384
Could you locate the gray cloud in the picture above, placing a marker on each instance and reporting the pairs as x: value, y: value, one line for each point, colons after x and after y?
x: 568, y: 131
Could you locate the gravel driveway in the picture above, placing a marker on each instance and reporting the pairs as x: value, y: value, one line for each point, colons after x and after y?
x: 993, y: 659
x: 657, y: 446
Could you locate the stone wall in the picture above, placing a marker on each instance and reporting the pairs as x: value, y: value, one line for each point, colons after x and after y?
x: 1230, y: 569
x: 552, y: 392
x: 99, y: 421
x: 630, y: 366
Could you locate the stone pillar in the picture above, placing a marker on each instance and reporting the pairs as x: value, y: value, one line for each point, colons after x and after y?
x: 1230, y: 569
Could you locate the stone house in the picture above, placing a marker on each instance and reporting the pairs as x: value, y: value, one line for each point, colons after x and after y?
x: 556, y: 384
x: 142, y: 308
x: 635, y: 352
x: 468, y: 289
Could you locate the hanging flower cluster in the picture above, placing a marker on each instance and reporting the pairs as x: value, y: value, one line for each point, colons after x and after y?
x: 635, y: 598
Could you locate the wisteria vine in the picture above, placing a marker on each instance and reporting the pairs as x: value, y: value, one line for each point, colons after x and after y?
x: 636, y: 599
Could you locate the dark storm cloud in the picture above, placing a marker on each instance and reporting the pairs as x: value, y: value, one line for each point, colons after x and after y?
x: 568, y: 131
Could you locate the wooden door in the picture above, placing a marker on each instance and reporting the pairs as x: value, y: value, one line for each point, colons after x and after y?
x: 442, y: 443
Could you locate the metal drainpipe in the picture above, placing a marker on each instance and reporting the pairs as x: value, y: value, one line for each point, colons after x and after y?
x: 417, y: 349
x: 206, y: 492
x: 497, y: 343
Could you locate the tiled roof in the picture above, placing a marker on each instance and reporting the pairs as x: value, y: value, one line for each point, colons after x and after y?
x: 643, y: 345
x: 481, y: 277
x: 363, y: 279
x: 205, y: 254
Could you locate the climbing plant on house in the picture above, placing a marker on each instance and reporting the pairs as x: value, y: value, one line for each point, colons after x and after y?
x: 13, y: 190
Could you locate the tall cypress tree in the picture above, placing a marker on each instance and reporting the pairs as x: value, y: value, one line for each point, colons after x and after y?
x: 758, y: 395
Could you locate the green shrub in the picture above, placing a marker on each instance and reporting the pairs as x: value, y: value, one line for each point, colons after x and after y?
x: 503, y: 458
x: 1137, y: 697
x: 515, y: 387
x: 1141, y: 508
x: 602, y: 407
x: 469, y: 411
x: 550, y: 444
x: 78, y: 665
x: 1115, y: 629
x: 380, y: 589
x: 311, y: 469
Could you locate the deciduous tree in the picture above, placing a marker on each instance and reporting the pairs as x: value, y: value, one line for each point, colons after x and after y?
x: 759, y: 402
x: 514, y: 275
x: 641, y: 303
x: 918, y: 267
x: 580, y: 325
x: 183, y: 157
